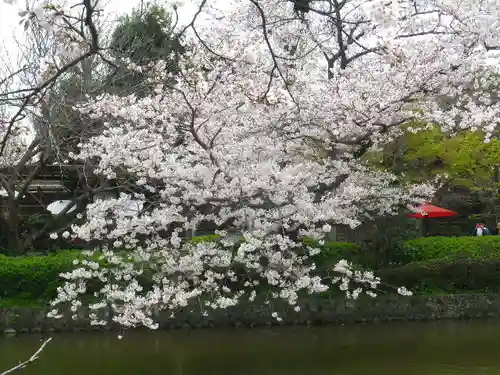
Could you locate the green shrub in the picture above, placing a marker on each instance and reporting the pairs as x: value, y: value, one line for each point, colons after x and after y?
x: 33, y: 278
x: 332, y: 252
x: 27, y: 280
x: 384, y: 239
x: 462, y: 274
x: 207, y: 238
x: 36, y: 278
x: 428, y: 248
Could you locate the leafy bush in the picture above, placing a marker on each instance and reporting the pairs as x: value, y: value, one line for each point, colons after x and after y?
x: 428, y: 248
x: 462, y: 274
x: 443, y: 265
x: 484, y: 217
x: 386, y: 238
x: 332, y: 252
x: 33, y: 278
x: 207, y: 238
x: 36, y: 278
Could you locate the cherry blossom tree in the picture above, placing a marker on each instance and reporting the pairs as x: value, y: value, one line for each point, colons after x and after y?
x: 261, y: 134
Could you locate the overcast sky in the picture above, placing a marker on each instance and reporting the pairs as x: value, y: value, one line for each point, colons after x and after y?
x: 10, y: 28
x: 9, y: 19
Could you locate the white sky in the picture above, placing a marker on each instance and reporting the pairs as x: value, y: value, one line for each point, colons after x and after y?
x: 9, y: 19
x: 10, y: 30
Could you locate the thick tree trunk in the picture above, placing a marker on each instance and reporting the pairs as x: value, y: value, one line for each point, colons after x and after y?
x: 15, y: 243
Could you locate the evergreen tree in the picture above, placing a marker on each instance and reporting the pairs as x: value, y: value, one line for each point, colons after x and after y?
x: 144, y: 37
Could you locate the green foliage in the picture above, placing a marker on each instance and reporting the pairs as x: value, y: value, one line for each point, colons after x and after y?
x: 432, y: 248
x: 207, y: 238
x: 36, y: 277
x: 332, y: 252
x: 462, y: 274
x: 33, y: 278
x: 16, y: 302
x: 484, y: 217
x: 470, y: 164
x: 465, y: 157
x: 386, y: 239
x: 433, y: 265
x: 144, y: 37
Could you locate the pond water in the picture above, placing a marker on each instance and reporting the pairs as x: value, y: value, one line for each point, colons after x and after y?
x: 444, y: 348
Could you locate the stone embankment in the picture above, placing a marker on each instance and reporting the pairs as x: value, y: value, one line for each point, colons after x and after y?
x: 313, y: 312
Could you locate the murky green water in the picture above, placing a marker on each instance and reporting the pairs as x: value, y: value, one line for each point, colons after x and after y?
x: 451, y: 348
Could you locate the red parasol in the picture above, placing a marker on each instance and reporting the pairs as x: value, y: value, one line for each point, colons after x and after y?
x: 427, y: 210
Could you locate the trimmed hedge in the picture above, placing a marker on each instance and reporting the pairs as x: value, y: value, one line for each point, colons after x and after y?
x: 33, y: 278
x: 332, y: 252
x: 446, y: 276
x: 447, y: 265
x: 36, y: 278
x: 428, y: 248
x: 433, y: 264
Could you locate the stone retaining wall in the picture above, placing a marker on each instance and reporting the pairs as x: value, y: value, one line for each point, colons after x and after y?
x: 313, y: 312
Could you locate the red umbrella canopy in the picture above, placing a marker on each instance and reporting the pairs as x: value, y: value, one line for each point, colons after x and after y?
x: 428, y: 210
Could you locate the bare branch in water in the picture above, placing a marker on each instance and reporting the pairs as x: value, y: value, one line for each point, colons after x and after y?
x: 32, y: 359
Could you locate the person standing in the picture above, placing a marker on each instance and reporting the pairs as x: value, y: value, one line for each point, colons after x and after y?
x: 481, y: 230
x: 486, y: 231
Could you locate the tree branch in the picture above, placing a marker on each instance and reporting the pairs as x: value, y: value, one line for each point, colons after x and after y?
x: 274, y: 57
x: 94, y: 48
x: 32, y: 359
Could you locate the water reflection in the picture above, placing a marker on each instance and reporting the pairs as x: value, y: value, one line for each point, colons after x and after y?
x: 451, y: 348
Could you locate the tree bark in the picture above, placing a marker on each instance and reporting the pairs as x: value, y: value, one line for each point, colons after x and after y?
x: 14, y: 241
